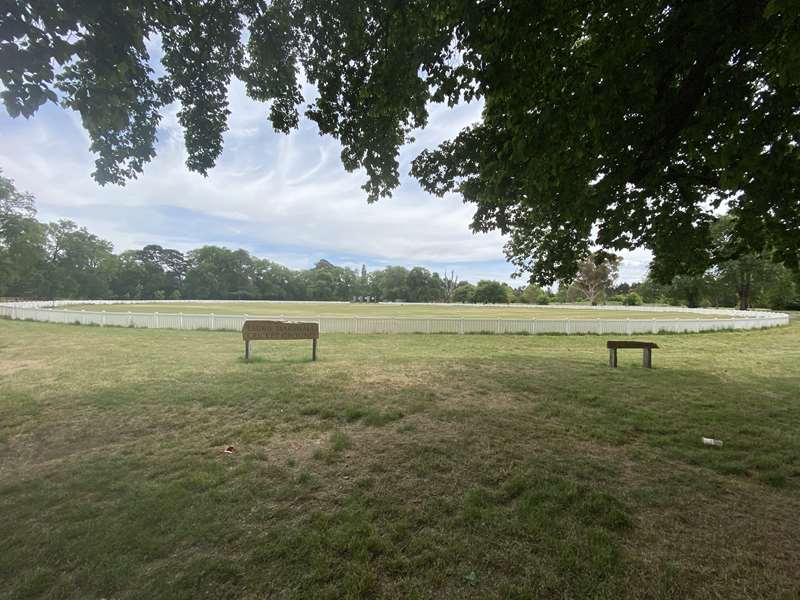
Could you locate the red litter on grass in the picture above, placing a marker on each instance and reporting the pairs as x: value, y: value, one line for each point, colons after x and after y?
x: 229, y: 450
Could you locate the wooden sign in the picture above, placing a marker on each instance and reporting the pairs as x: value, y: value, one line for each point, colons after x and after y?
x: 280, y: 330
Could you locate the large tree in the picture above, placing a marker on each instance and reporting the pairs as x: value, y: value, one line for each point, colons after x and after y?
x: 219, y: 273
x: 22, y: 240
x: 490, y: 292
x: 79, y: 263
x: 606, y: 123
x: 596, y: 275
x: 424, y: 286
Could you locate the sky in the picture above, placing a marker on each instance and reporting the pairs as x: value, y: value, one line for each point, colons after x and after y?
x: 282, y: 197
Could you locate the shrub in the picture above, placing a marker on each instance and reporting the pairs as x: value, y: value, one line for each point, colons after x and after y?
x: 632, y: 299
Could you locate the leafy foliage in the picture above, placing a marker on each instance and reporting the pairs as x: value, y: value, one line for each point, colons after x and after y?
x: 464, y: 292
x: 605, y: 124
x: 491, y: 292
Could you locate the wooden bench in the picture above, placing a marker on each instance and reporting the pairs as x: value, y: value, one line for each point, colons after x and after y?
x: 646, y: 347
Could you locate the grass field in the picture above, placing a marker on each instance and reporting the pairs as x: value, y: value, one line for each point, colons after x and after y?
x: 403, y: 466
x: 255, y: 308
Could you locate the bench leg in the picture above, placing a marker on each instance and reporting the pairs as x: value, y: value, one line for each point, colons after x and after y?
x: 314, y: 349
x: 247, y: 350
x: 612, y: 358
x: 647, y: 358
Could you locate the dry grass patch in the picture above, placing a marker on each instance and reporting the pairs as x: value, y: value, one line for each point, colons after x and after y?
x: 396, y: 466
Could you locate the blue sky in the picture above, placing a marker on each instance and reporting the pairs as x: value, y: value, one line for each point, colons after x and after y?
x: 286, y: 198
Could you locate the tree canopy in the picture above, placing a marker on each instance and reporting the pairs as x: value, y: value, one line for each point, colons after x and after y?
x: 606, y: 124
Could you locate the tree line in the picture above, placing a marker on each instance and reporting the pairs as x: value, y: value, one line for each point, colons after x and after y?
x: 63, y: 260
x: 736, y: 279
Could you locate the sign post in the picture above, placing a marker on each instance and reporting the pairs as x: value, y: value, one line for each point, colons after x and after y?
x: 280, y: 330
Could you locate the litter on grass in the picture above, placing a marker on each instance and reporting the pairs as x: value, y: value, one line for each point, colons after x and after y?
x: 712, y: 442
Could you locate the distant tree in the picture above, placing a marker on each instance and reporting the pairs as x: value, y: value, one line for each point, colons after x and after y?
x: 450, y: 283
x: 735, y: 265
x: 424, y: 286
x: 533, y: 294
x: 80, y: 264
x: 781, y: 291
x: 23, y: 258
x: 738, y: 276
x: 22, y: 241
x: 491, y: 292
x: 326, y: 281
x: 129, y: 275
x: 14, y: 202
x: 511, y: 293
x: 363, y: 282
x: 218, y: 273
x: 166, y: 267
x: 596, y: 274
x: 438, y: 290
x: 394, y: 283
x: 464, y: 292
x: 273, y: 281
x: 620, y: 288
x: 376, y: 280
x: 690, y: 290
x: 632, y: 299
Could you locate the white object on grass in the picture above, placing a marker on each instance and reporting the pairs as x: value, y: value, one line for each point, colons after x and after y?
x: 712, y: 442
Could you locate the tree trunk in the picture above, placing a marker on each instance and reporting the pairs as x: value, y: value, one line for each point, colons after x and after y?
x: 744, y: 293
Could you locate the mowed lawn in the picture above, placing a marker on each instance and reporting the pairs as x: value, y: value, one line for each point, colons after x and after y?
x: 313, y: 309
x: 405, y: 466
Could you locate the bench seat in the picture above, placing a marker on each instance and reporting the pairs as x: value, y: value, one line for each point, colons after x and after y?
x: 645, y: 347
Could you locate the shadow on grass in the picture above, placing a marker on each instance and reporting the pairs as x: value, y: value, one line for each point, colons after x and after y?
x: 667, y: 409
x: 511, y: 482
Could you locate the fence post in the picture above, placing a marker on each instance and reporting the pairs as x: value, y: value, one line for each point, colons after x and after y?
x: 212, y: 321
x: 180, y: 320
x: 628, y: 327
x: 103, y: 322
x: 428, y: 325
x: 567, y: 327
x: 461, y: 326
x: 130, y: 319
x: 156, y: 316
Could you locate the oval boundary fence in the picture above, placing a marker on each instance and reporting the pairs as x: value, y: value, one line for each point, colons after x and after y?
x: 708, y: 319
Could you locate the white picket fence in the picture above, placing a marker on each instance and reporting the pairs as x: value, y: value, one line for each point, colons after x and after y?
x: 710, y: 319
